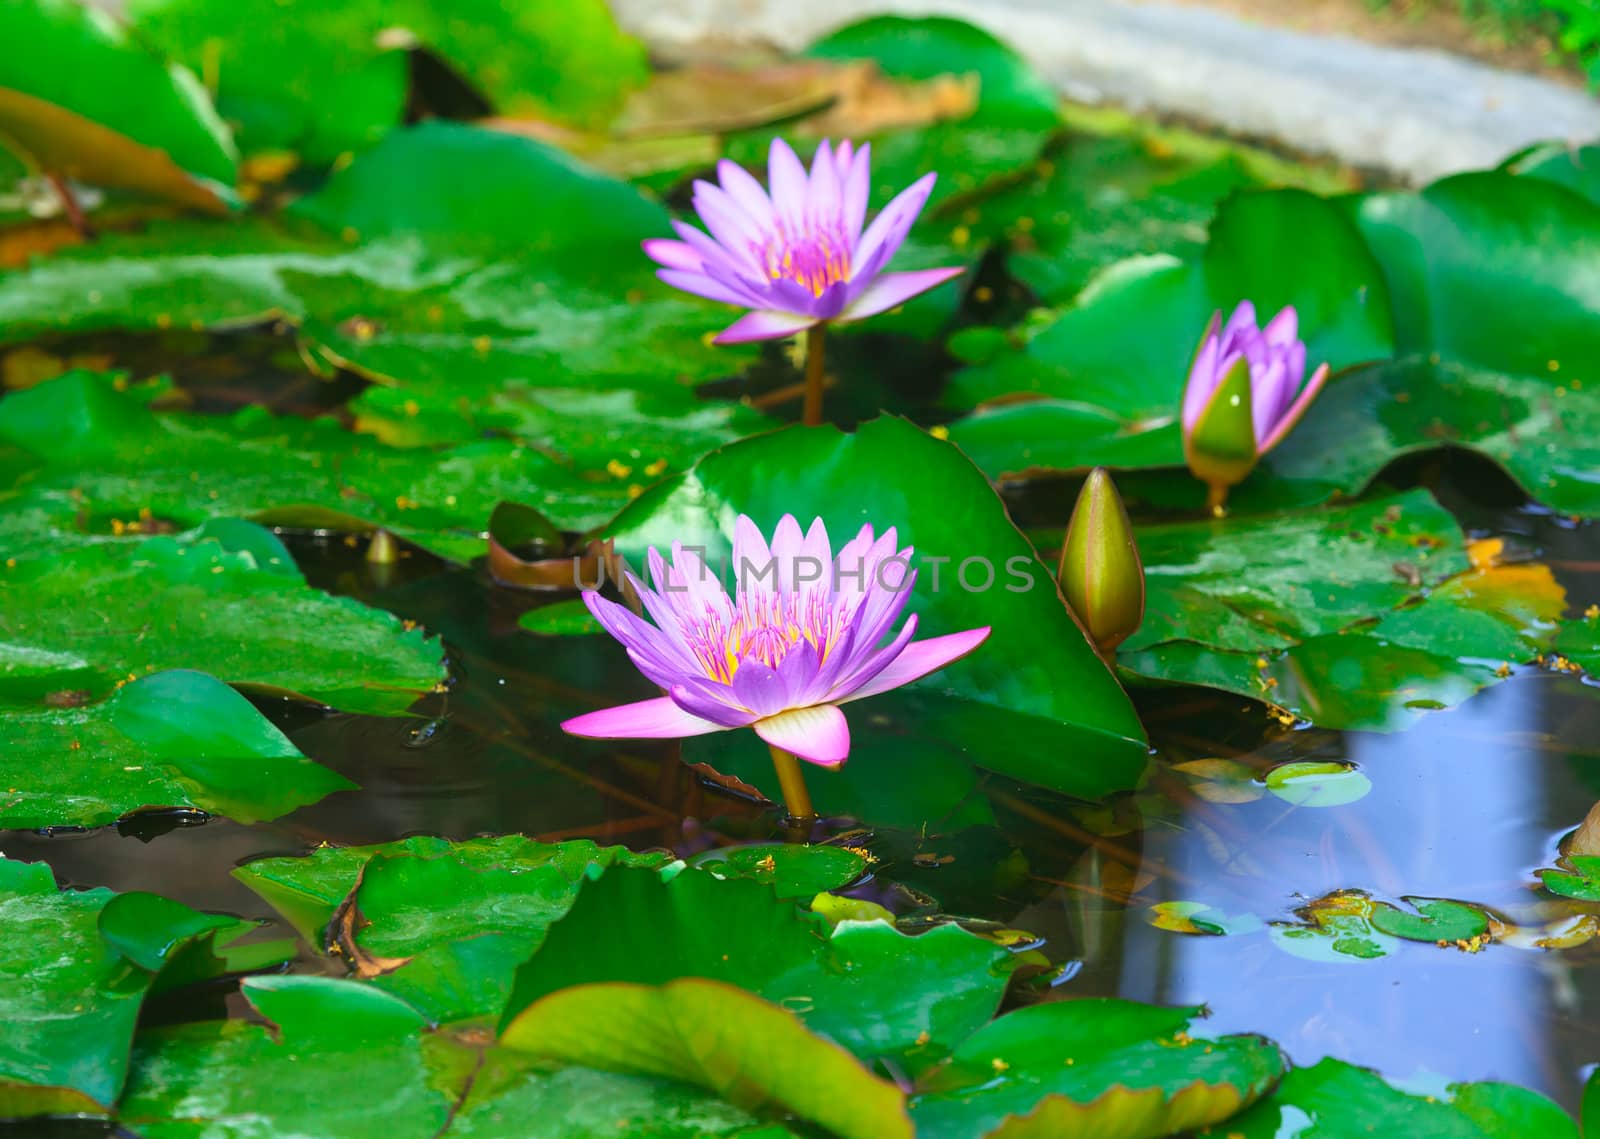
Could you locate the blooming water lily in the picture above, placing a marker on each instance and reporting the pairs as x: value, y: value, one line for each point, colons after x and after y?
x: 801, y: 256
x: 1247, y: 388
x: 804, y: 632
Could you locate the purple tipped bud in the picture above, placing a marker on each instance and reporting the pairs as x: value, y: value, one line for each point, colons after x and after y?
x: 1101, y: 575
x: 1247, y: 388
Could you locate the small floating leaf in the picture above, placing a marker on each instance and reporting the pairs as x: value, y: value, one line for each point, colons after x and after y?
x: 1318, y: 784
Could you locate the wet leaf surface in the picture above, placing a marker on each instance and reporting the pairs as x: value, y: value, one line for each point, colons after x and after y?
x: 90, y: 618
x: 171, y: 739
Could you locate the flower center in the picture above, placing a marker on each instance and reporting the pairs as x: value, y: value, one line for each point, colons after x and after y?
x: 814, y: 260
x: 765, y: 626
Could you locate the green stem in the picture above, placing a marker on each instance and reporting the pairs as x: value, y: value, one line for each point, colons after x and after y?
x: 1217, y: 499
x: 796, y: 799
x: 815, y: 335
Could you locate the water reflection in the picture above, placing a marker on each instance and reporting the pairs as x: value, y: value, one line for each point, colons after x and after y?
x: 1465, y: 805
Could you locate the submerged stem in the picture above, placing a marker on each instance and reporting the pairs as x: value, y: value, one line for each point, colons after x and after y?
x: 796, y: 799
x: 815, y: 336
x: 71, y: 207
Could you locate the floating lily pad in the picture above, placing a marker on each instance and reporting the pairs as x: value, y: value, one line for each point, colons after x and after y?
x: 443, y: 925
x: 1198, y: 917
x: 864, y: 985
x: 329, y: 1037
x: 76, y: 966
x: 1583, y: 883
x: 91, y: 617
x: 1310, y: 783
x: 322, y: 80
x: 1436, y: 919
x: 793, y: 871
x: 174, y: 739
x: 1074, y: 1051
x: 1338, y: 928
x: 1354, y: 616
x: 91, y: 102
x: 1333, y: 1099
x: 713, y: 1035
x: 1014, y: 687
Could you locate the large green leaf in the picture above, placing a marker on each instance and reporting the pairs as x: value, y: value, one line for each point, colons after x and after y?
x: 1036, y: 682
x: 1009, y: 91
x: 478, y: 260
x: 110, y: 459
x: 174, y: 739
x: 88, y: 618
x: 1104, y: 380
x: 1591, y: 1105
x: 1333, y: 1099
x: 751, y: 1053
x: 322, y: 79
x: 1496, y: 305
x: 865, y: 985
x: 74, y: 967
x: 1077, y: 1051
x: 87, y: 100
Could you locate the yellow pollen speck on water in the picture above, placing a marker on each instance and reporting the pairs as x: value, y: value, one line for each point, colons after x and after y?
x: 656, y: 468
x: 412, y: 408
x: 939, y: 431
x: 618, y: 470
x: 163, y: 320
x: 635, y: 490
x: 983, y: 294
x: 708, y: 338
x: 922, y: 1039
x: 999, y: 1065
x: 960, y: 236
x: 480, y: 344
x: 1555, y: 365
x: 1592, y: 612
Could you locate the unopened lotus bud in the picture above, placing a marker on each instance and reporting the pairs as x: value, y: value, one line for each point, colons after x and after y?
x: 1101, y: 575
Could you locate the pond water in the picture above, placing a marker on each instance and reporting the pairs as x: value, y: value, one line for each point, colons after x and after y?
x: 1465, y: 805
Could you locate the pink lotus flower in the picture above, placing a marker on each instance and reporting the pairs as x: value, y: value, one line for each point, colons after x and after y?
x: 803, y: 634
x: 799, y: 257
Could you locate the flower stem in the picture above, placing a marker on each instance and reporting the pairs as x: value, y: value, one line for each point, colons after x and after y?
x: 71, y: 207
x: 815, y: 335
x: 1217, y: 499
x: 796, y: 799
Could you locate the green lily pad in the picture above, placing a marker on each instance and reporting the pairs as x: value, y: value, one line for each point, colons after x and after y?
x: 862, y: 985
x: 75, y: 966
x: 322, y: 80
x: 1075, y: 1051
x: 1354, y: 616
x: 174, y: 739
x: 580, y: 1103
x: 1107, y: 376
x: 1333, y: 1099
x: 1013, y: 687
x: 1575, y: 167
x: 91, y: 102
x: 1009, y: 91
x: 1436, y: 919
x: 1591, y: 1104
x: 1310, y: 783
x: 1583, y: 883
x: 114, y: 460
x: 1337, y: 929
x: 754, y: 1054
x: 793, y: 871
x: 330, y: 1038
x: 569, y: 618
x: 90, y: 617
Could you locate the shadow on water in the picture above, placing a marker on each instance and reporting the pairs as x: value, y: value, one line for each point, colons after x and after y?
x: 1466, y: 805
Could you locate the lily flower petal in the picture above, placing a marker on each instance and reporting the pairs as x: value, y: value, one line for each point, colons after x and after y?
x: 819, y: 734
x: 918, y: 660
x: 896, y: 288
x: 764, y: 325
x: 658, y: 719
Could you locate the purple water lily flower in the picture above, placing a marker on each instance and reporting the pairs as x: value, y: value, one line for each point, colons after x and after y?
x: 798, y: 257
x: 1276, y: 357
x: 1247, y: 389
x: 804, y: 633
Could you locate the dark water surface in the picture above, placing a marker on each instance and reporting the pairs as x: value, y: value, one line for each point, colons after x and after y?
x: 1467, y: 804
